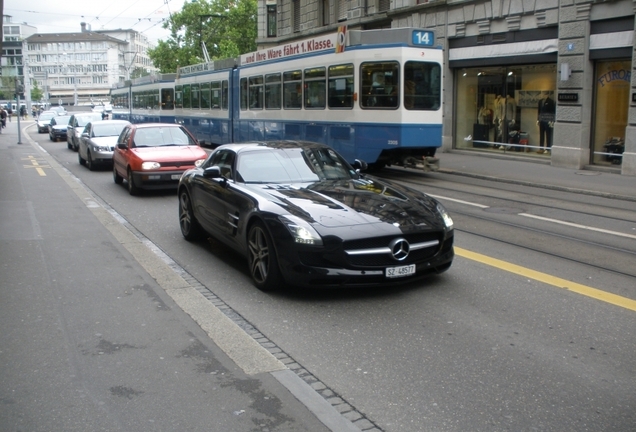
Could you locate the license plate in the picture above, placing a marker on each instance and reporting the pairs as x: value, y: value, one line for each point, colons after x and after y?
x: 393, y: 272
x: 175, y: 176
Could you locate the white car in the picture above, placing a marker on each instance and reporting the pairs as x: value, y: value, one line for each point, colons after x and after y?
x: 97, y: 142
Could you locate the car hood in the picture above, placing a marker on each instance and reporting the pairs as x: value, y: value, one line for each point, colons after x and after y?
x: 170, y: 153
x: 335, y: 204
x: 59, y: 127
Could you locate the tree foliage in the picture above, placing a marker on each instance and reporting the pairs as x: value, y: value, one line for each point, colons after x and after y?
x: 36, y: 92
x: 227, y: 27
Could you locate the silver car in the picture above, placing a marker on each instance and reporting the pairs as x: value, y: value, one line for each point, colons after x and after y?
x: 97, y: 142
x: 76, y: 125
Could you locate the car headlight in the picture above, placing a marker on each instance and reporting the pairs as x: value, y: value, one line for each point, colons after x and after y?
x: 448, y: 221
x: 301, y: 231
x: 199, y: 162
x: 150, y: 165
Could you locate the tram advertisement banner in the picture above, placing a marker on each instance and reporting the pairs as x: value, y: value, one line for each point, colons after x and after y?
x: 307, y: 46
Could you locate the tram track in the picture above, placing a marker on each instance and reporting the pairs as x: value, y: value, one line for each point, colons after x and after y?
x: 604, y: 214
x: 580, y: 243
x: 545, y: 251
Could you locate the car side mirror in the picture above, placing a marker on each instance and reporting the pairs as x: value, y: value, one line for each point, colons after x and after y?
x: 122, y: 146
x: 360, y: 165
x: 212, y: 172
x: 84, y: 134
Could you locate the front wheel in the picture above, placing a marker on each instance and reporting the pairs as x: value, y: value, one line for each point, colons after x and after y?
x: 89, y: 161
x: 262, y: 259
x: 132, y: 187
x: 80, y: 159
x: 116, y: 177
x: 189, y: 224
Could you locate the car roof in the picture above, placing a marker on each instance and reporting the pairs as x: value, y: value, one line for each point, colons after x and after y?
x: 110, y: 122
x: 273, y: 144
x: 151, y: 125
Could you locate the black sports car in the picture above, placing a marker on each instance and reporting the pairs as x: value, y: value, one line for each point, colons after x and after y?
x: 302, y: 215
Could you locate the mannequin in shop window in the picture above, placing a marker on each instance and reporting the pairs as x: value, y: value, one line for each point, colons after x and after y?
x: 500, y: 114
x: 545, y: 120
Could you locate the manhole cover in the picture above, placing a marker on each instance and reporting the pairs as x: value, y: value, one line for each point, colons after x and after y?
x: 503, y: 210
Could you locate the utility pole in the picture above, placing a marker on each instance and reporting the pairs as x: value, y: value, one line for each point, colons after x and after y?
x: 19, y: 88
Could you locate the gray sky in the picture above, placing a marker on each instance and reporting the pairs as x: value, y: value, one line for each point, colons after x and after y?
x: 65, y: 16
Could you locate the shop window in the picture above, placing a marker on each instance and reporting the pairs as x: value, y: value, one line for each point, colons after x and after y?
x: 612, y: 89
x: 498, y: 108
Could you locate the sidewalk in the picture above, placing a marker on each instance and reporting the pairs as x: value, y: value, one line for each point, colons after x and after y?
x: 539, y: 174
x: 100, y: 332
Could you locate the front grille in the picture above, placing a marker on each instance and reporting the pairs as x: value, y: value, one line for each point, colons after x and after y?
x: 178, y: 165
x: 337, y: 258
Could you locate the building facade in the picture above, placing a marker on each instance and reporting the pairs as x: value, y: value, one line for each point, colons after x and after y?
x: 80, y: 68
x: 549, y: 78
x: 12, y: 60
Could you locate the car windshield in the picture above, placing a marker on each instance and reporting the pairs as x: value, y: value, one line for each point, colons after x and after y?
x: 162, y: 136
x: 108, y: 129
x: 60, y: 120
x: 84, y: 120
x: 293, y: 165
x: 46, y: 116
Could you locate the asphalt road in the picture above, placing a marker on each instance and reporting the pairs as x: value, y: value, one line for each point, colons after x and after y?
x: 483, y: 347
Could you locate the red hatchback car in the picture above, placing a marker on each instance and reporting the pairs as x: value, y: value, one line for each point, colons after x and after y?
x: 154, y: 155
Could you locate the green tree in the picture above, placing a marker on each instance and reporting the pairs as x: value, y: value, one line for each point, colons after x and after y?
x: 228, y: 28
x: 36, y: 92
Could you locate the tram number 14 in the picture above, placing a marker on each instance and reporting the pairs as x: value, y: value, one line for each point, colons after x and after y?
x: 423, y: 38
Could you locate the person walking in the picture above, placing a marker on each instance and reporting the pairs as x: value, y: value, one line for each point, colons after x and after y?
x: 3, y: 118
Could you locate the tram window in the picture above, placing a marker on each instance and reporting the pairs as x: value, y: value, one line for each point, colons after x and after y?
x: 256, y: 92
x: 315, y: 86
x: 224, y: 94
x: 155, y: 99
x: 272, y: 91
x: 186, y: 96
x: 167, y: 98
x: 215, y: 93
x: 205, y: 95
x: 138, y: 100
x: 243, y: 93
x: 178, y: 96
x: 379, y: 85
x: 341, y: 86
x: 195, y: 96
x: 422, y: 86
x: 292, y: 89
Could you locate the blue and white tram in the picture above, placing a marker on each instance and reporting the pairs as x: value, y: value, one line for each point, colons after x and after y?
x: 144, y: 100
x: 377, y: 97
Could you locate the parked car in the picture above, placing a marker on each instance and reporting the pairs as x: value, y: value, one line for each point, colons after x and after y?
x: 97, y: 142
x: 44, y: 119
x: 154, y: 155
x: 301, y: 214
x: 76, y: 126
x: 57, y: 127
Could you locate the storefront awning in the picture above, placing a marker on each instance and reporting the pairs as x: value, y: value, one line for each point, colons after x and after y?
x: 544, y: 46
x: 612, y: 40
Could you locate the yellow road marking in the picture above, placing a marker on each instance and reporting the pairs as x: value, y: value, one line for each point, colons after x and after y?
x: 35, y: 164
x: 550, y: 280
